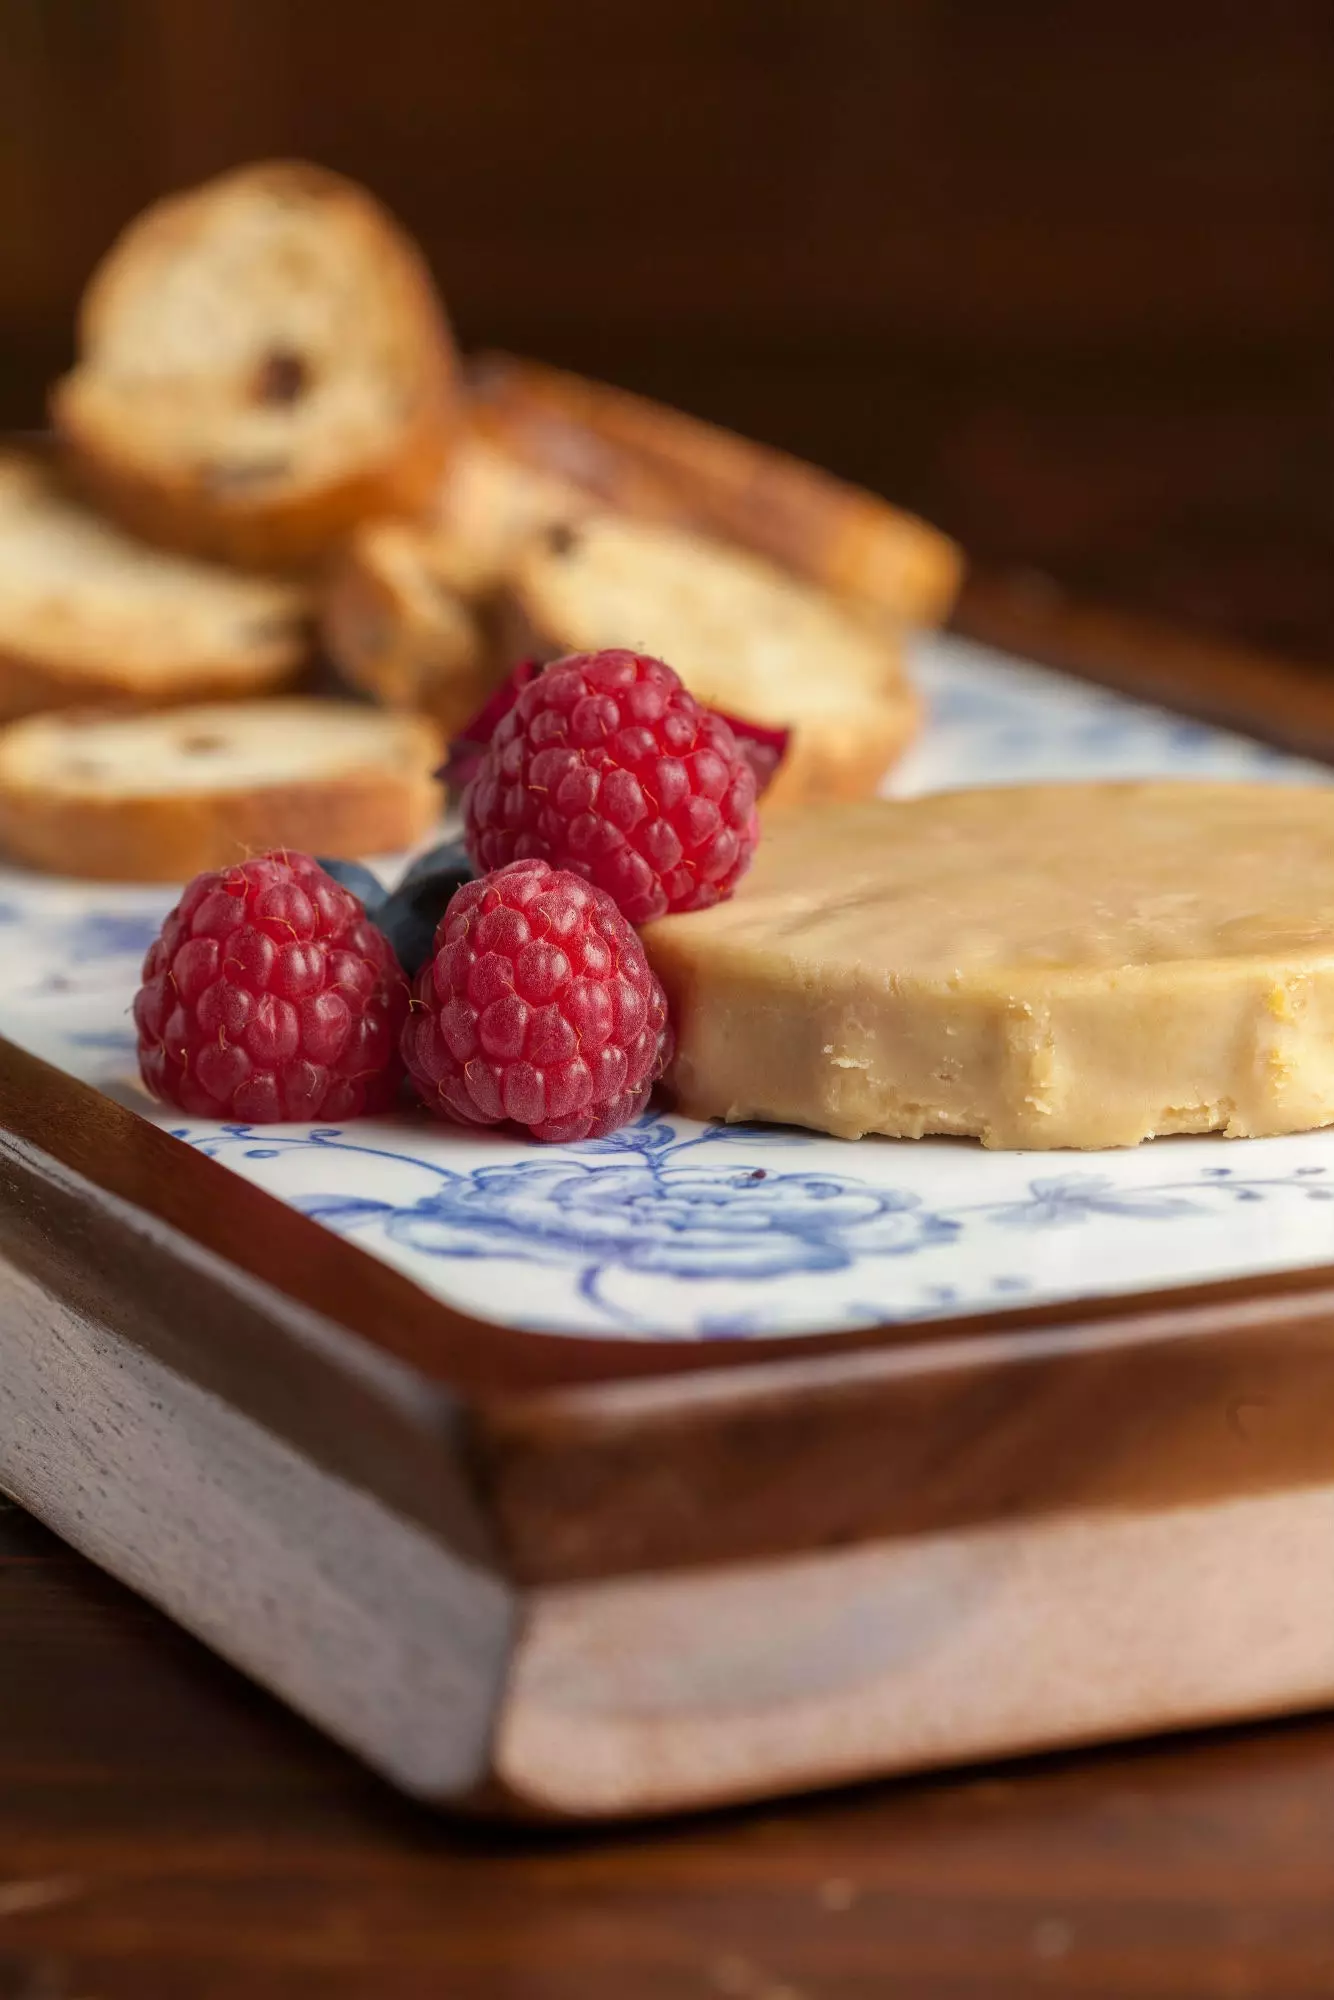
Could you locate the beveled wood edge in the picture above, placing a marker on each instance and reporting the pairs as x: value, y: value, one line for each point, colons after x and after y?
x: 1154, y: 1405
x: 657, y: 1692
x: 304, y: 1375
x: 311, y: 1528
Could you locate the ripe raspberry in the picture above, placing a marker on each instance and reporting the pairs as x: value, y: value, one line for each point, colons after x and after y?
x: 270, y: 996
x: 539, y: 1007
x: 608, y: 766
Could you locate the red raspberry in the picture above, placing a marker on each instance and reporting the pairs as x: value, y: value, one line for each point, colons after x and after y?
x: 270, y: 996
x: 539, y: 1007
x: 608, y: 766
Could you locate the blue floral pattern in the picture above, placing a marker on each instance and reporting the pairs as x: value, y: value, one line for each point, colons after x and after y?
x: 669, y: 1228
x: 666, y: 1204
x: 644, y: 1203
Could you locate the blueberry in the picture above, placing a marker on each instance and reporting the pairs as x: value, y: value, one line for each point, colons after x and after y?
x: 450, y: 857
x: 410, y: 917
x: 351, y: 875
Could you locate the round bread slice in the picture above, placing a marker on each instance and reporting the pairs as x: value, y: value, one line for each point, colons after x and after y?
x: 1038, y: 966
x: 157, y: 798
x: 263, y: 362
x: 88, y: 614
x: 743, y: 636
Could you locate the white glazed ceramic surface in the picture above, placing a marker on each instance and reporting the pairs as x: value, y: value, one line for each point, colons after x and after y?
x: 718, y: 1232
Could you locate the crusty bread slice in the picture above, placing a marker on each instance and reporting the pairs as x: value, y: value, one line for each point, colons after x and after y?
x: 408, y: 609
x: 743, y: 637
x: 641, y: 458
x: 489, y: 507
x: 263, y: 363
x: 396, y: 626
x: 90, y: 615
x: 156, y: 798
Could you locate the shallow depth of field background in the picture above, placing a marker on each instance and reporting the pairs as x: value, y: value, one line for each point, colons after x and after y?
x: 1060, y: 276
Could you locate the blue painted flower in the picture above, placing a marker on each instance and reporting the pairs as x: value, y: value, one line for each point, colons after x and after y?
x: 683, y: 1221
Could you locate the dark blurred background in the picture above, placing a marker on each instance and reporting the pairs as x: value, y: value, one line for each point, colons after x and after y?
x: 1059, y: 275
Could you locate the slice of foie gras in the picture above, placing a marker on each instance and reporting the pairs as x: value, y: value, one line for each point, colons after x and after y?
x: 1038, y: 966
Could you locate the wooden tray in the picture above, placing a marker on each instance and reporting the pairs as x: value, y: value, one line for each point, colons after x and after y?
x: 576, y: 1576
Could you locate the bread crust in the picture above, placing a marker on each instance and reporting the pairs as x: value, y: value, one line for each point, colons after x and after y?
x: 844, y: 753
x: 252, y: 520
x: 291, y: 531
x: 845, y: 763
x: 169, y: 837
x: 32, y: 686
x: 644, y: 459
x: 400, y: 636
x: 49, y: 656
x: 842, y: 759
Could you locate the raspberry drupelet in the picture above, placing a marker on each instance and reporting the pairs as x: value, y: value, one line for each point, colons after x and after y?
x: 608, y: 766
x: 538, y: 1009
x: 269, y: 996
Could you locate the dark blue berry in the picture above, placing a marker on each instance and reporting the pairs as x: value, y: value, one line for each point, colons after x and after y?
x: 450, y: 857
x: 410, y: 916
x: 351, y: 875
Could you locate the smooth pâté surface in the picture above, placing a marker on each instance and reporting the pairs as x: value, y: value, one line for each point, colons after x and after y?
x: 607, y: 765
x: 269, y: 995
x: 1037, y: 965
x: 538, y: 1008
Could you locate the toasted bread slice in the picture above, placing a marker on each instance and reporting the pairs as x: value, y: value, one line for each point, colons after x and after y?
x: 396, y: 626
x: 91, y: 615
x: 743, y: 637
x: 638, y: 457
x: 157, y: 798
x: 263, y: 363
x: 408, y: 609
x: 491, y: 506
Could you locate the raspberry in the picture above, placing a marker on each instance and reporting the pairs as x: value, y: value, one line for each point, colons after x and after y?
x: 608, y: 766
x: 270, y: 996
x: 538, y: 1008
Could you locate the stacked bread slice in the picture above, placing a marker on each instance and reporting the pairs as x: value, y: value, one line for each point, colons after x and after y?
x: 90, y: 614
x: 268, y: 446
x: 536, y: 548
x: 263, y: 364
x: 159, y: 797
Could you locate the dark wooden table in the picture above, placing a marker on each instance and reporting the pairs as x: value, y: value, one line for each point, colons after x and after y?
x: 167, y: 1833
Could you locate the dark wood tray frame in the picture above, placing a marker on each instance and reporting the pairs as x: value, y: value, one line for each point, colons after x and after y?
x: 532, y: 1575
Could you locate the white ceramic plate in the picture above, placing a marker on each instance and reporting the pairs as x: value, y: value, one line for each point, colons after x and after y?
x: 716, y: 1232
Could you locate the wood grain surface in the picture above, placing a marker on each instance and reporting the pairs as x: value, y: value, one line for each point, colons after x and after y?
x: 167, y: 1833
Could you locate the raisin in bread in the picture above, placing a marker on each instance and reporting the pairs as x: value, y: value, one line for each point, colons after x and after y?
x: 638, y: 457
x: 489, y: 507
x: 263, y: 362
x: 408, y: 612
x: 89, y: 614
x: 744, y: 637
x: 157, y: 798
